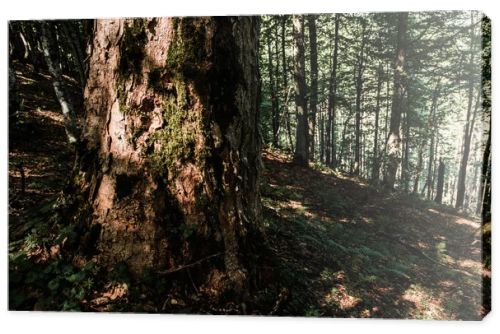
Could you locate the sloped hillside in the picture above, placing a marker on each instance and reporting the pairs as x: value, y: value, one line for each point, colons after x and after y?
x: 349, y: 249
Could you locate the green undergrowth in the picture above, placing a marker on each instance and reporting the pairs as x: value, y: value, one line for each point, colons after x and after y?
x: 43, y: 273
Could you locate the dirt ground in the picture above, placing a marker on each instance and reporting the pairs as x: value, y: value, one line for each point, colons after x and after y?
x: 371, y: 253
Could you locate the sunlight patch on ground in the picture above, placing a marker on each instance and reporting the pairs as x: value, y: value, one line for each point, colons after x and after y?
x: 463, y: 221
x: 426, y: 306
x: 474, y: 266
x: 422, y: 245
x: 458, y: 220
x: 339, y: 296
x: 48, y: 114
x: 368, y: 220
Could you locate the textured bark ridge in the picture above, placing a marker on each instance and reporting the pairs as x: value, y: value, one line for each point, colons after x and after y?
x: 170, y: 159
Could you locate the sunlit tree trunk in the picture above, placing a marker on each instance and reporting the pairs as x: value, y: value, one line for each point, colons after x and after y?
x: 468, y: 127
x: 394, y: 140
x: 168, y: 169
x: 49, y: 51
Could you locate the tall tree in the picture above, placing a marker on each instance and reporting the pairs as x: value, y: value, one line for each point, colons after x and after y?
x: 332, y: 99
x: 170, y: 154
x: 468, y: 125
x: 301, y: 154
x: 394, y: 140
x: 313, y: 100
x: 275, y: 113
x: 286, y: 89
x: 359, y: 92
x: 375, y: 162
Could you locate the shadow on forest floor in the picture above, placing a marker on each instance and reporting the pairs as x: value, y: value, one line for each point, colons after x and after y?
x: 345, y: 248
x: 37, y: 144
x: 349, y: 249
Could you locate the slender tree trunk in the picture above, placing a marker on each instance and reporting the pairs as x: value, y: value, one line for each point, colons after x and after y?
x: 376, y: 163
x: 322, y: 137
x: 394, y: 139
x: 440, y: 182
x: 331, y: 145
x: 343, y: 142
x: 462, y: 174
x: 168, y: 170
x: 277, y: 82
x: 431, y: 160
x: 435, y: 164
x: 419, y: 167
x: 67, y: 109
x: 275, y: 117
x: 405, y: 177
x: 359, y: 91
x: 313, y: 101
x: 286, y: 90
x: 301, y: 155
x: 432, y: 128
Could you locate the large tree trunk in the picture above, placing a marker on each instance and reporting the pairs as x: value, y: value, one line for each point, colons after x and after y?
x: 67, y: 108
x: 301, y: 155
x: 169, y: 162
x: 313, y: 101
x: 394, y: 139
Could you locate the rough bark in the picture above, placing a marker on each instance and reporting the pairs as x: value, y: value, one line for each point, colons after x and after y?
x: 301, y: 154
x: 394, y: 140
x: 168, y: 168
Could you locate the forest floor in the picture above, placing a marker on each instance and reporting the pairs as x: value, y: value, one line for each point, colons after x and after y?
x: 344, y: 247
x: 350, y: 249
